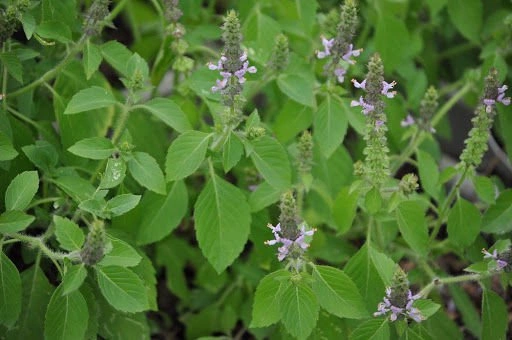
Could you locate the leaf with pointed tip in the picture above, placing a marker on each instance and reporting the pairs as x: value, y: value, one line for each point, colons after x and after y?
x: 14, y: 221
x: 93, y: 148
x: 463, y: 223
x: 168, y: 112
x: 410, y: 216
x: 90, y: 99
x: 272, y: 162
x: 330, y: 123
x: 146, y: 171
x: 22, y: 189
x: 122, y: 254
x: 73, y: 278
x: 186, y: 154
x: 68, y: 233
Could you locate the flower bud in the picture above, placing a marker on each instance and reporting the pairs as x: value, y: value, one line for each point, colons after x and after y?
x: 288, y: 218
x: 94, y: 17
x: 172, y: 10
x: 408, y: 184
x: 279, y: 58
x: 94, y: 248
x: 255, y: 132
x: 305, y: 155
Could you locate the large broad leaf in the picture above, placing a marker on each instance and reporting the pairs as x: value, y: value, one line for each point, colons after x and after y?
x: 124, y: 290
x: 297, y: 88
x: 337, y: 293
x: 68, y: 233
x: 272, y: 162
x: 467, y: 15
x: 498, y: 218
x: 14, y: 221
x: 222, y: 219
x: 463, y: 223
x: 330, y: 124
x: 410, y: 216
x: 374, y: 329
x: 144, y: 168
x: 371, y: 271
x: 66, y: 317
x: 299, y: 309
x: 162, y: 214
x: 90, y: 99
x: 265, y: 309
x: 93, y: 148
x: 22, y: 189
x: 168, y: 112
x: 186, y: 154
x: 10, y: 291
x: 494, y: 316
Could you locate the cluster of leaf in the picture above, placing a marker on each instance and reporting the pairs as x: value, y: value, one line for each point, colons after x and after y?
x: 96, y: 131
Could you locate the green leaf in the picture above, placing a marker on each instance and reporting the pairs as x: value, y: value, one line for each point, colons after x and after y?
x: 168, y: 112
x: 463, y: 223
x: 429, y: 173
x: 122, y: 255
x: 485, y: 189
x: 263, y: 196
x: 410, y: 216
x: 69, y: 235
x: 330, y: 124
x: 92, y: 59
x: 67, y: 316
x: 466, y: 307
x: 93, y: 148
x: 259, y: 32
x: 494, y: 316
x: 7, y: 150
x: 232, y: 151
x: 121, y: 204
x: 124, y: 290
x: 299, y: 309
x: 297, y: 88
x: 78, y: 188
x: 162, y: 214
x: 117, y: 55
x: 14, y: 221
x: 21, y: 191
x: 90, y: 99
x: 337, y: 293
x: 265, y: 310
x: 10, y: 291
x: 42, y: 154
x: 272, y: 162
x: 144, y: 168
x: 427, y: 307
x: 222, y: 220
x: 498, y: 218
x: 467, y: 16
x: 13, y: 65
x: 374, y: 329
x: 54, y: 30
x: 186, y: 154
x: 29, y: 24
x: 373, y: 201
x: 388, y: 25
x: 344, y: 209
x: 73, y: 278
x: 114, y: 174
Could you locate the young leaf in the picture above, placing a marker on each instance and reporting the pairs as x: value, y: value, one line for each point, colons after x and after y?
x: 272, y: 162
x: 10, y: 291
x: 231, y: 152
x: 463, y: 223
x: 373, y: 201
x: 73, y: 278
x: 168, y: 112
x: 69, y: 235
x: 265, y: 310
x: 372, y: 329
x: 122, y: 255
x: 413, y: 226
x: 66, y: 316
x: 90, y: 99
x: 337, y: 293
x: 93, y: 148
x: 494, y: 316
x: 222, y: 219
x: 121, y: 204
x: 298, y: 88
x: 92, y: 59
x: 22, y: 189
x: 124, y: 290
x: 14, y: 221
x: 498, y: 218
x: 330, y: 124
x: 146, y: 172
x: 114, y: 174
x: 186, y: 154
x: 162, y: 214
x: 299, y: 309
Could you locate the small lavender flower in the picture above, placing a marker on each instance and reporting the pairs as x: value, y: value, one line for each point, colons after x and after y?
x: 295, y: 247
x: 407, y: 121
x: 408, y: 311
x: 327, y: 43
x: 340, y: 74
x: 351, y: 53
x: 502, y: 259
x: 226, y: 76
x: 367, y: 108
x: 385, y: 87
x: 490, y: 102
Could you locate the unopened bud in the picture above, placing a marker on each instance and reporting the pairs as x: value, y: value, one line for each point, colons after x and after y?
x: 94, y: 248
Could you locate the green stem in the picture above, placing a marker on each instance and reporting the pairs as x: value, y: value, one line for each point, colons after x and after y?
x: 454, y: 279
x: 43, y: 201
x: 22, y: 117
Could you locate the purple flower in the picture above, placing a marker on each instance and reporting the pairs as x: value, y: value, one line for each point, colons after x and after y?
x: 327, y: 43
x: 500, y: 264
x: 386, y: 87
x: 221, y: 84
x: 245, y: 68
x: 407, y: 121
x: 408, y: 311
x: 359, y: 85
x: 489, y: 102
x: 287, y: 244
x: 378, y: 124
x: 351, y: 52
x: 367, y: 108
x: 340, y: 73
